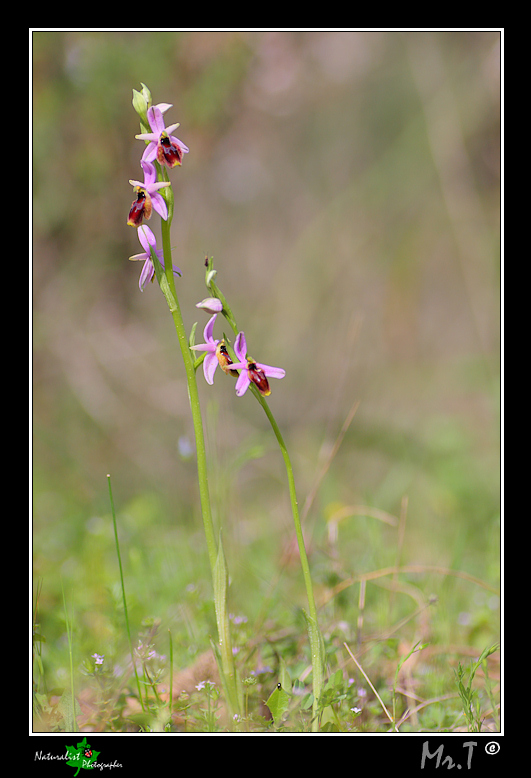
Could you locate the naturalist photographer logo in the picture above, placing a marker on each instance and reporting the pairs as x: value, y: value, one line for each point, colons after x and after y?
x: 81, y: 757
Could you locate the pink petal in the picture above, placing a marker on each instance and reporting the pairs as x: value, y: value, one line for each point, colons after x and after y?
x: 210, y: 364
x: 155, y: 119
x: 240, y: 346
x: 242, y: 383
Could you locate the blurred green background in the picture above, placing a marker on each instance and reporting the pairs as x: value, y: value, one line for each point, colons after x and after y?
x: 347, y: 185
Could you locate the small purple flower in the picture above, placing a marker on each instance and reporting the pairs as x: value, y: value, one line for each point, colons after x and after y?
x: 99, y: 658
x: 163, y: 146
x: 147, y: 239
x: 208, y: 685
x: 147, y: 196
x: 252, y: 371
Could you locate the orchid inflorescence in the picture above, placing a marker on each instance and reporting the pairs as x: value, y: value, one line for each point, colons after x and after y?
x: 164, y: 151
x: 167, y: 150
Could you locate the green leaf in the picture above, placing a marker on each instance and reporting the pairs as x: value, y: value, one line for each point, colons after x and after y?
x: 317, y: 649
x: 285, y: 680
x: 77, y: 758
x: 191, y: 339
x: 277, y: 703
x: 221, y: 581
x: 69, y: 715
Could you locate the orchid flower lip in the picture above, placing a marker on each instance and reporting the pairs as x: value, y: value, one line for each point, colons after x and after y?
x: 148, y: 196
x: 224, y: 359
x: 141, y: 208
x: 252, y: 371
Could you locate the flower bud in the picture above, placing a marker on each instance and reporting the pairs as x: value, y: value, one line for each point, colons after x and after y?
x: 210, y: 305
x: 141, y: 103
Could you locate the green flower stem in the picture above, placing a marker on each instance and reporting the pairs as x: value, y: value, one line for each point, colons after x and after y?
x: 314, y: 633
x: 316, y: 643
x: 167, y: 285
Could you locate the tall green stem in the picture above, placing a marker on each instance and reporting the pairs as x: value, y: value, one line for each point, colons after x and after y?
x: 193, y: 395
x: 215, y: 553
x: 314, y: 633
x: 316, y: 644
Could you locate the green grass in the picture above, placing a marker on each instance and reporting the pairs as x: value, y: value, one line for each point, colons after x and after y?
x: 405, y: 643
x: 386, y: 688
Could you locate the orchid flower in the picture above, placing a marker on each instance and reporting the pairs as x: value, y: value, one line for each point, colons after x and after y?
x: 252, y: 371
x: 163, y: 146
x: 217, y: 353
x: 147, y: 196
x: 148, y: 240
